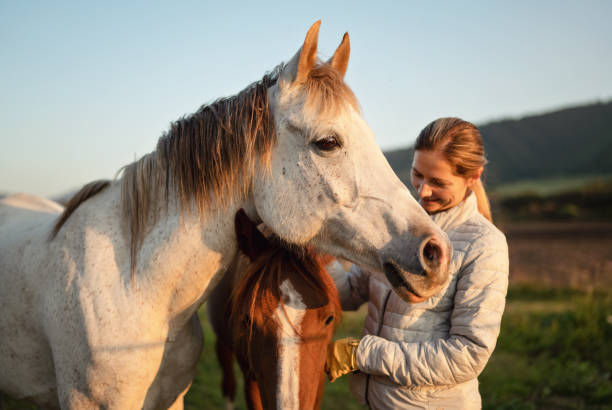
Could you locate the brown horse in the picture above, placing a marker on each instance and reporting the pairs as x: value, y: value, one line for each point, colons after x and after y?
x: 278, y: 321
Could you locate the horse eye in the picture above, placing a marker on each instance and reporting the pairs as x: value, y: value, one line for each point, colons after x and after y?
x: 327, y: 143
x: 329, y: 319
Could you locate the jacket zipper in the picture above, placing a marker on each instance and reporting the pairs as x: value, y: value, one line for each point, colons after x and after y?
x: 380, y: 325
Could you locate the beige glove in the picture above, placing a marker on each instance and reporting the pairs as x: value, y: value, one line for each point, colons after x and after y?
x: 341, y: 358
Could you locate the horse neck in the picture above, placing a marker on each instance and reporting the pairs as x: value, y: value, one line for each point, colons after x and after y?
x: 181, y: 255
x: 186, y: 254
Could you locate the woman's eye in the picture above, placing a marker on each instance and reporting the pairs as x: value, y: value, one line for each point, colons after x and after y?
x: 327, y: 143
x: 438, y: 184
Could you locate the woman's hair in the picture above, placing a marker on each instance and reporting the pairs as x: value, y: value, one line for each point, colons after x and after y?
x: 461, y: 144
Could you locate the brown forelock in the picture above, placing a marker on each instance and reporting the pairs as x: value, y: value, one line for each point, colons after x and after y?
x: 326, y: 91
x: 77, y: 199
x: 258, y: 292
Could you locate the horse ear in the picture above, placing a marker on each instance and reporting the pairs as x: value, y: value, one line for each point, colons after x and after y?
x: 340, y: 58
x: 298, y: 68
x: 251, y: 242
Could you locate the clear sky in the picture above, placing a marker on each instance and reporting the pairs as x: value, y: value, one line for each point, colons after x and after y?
x: 86, y: 87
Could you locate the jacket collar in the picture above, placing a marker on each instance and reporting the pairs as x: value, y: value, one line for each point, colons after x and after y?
x: 455, y: 216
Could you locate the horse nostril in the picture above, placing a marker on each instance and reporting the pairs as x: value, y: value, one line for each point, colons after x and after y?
x: 432, y: 253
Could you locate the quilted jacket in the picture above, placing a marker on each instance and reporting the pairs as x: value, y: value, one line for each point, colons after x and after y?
x: 428, y: 355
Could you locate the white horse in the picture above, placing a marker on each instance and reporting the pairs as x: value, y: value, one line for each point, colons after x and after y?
x: 101, y: 313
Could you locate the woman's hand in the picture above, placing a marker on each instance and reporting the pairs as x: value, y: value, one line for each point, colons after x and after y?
x: 341, y: 358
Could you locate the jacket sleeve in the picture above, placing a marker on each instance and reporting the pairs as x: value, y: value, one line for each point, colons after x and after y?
x: 475, y: 322
x: 353, y: 286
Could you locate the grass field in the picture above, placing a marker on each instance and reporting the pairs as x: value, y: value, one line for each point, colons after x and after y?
x: 554, y: 352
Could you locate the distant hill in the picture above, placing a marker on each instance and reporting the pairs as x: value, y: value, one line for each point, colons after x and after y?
x: 569, y: 142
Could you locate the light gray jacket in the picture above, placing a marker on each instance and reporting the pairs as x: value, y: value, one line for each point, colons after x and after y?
x: 428, y: 355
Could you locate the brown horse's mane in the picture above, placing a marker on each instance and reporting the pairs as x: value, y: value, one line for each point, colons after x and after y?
x: 258, y: 293
x: 210, y: 154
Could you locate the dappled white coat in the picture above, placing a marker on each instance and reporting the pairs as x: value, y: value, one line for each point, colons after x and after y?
x: 104, y: 314
x: 429, y: 354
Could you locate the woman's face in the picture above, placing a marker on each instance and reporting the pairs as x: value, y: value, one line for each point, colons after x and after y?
x: 437, y: 186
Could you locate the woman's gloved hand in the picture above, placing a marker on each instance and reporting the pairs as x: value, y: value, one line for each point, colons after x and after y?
x: 341, y: 358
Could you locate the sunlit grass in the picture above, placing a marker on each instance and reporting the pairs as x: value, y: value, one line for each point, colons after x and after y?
x: 556, y: 357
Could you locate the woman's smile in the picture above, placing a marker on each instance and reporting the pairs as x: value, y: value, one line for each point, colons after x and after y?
x: 438, y: 187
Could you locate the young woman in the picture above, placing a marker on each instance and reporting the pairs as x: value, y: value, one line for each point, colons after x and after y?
x: 427, y: 354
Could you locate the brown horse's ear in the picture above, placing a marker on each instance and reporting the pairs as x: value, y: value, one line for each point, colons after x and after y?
x: 340, y: 58
x: 298, y: 68
x: 251, y: 242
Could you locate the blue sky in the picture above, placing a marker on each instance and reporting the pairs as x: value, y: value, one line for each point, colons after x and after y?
x: 87, y: 87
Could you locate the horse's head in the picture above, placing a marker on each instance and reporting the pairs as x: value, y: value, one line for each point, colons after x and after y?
x: 284, y: 313
x: 328, y: 184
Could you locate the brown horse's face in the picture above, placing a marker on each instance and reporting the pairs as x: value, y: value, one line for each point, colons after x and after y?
x: 285, y: 312
x: 304, y: 328
x: 287, y: 350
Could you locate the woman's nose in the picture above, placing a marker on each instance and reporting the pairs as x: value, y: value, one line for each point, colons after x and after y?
x: 425, y: 191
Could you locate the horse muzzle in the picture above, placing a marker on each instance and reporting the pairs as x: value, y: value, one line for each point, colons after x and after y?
x: 418, y: 274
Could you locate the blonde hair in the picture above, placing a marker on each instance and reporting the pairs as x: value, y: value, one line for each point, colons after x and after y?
x: 461, y: 144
